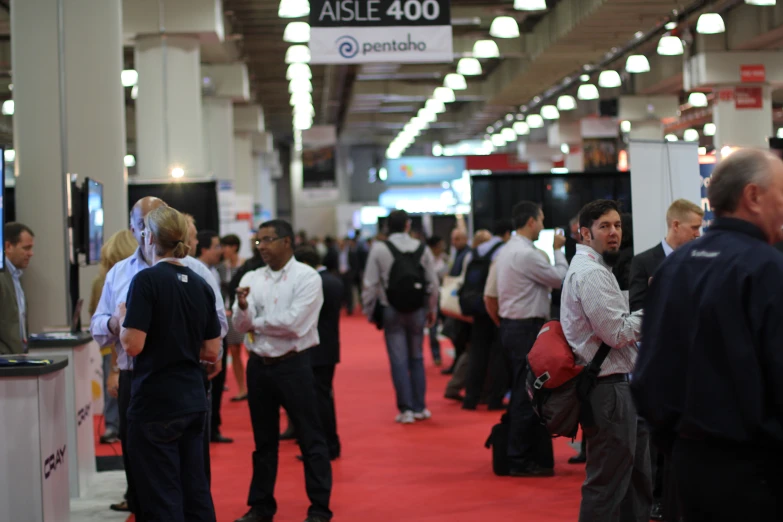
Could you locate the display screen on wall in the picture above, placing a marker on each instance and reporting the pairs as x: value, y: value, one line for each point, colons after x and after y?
x: 318, y: 168
x: 600, y: 154
x: 562, y: 196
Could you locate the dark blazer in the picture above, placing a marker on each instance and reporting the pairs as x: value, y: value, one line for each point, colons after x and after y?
x: 10, y: 342
x: 643, y: 266
x: 327, y: 353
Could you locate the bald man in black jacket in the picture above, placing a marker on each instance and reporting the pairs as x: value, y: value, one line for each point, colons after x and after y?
x: 326, y: 355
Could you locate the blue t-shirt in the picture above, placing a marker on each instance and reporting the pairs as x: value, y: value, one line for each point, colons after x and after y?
x: 176, y: 309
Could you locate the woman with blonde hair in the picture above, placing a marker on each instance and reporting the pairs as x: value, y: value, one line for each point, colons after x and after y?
x: 169, y: 326
x: 118, y: 247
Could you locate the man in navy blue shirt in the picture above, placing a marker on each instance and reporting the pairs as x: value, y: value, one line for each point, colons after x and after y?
x: 709, y: 376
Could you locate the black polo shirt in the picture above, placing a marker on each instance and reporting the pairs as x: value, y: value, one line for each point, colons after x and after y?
x: 711, y: 360
x: 176, y: 308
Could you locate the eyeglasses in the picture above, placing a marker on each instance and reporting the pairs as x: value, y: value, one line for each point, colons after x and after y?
x: 266, y: 240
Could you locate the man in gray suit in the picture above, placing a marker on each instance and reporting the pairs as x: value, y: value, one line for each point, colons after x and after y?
x: 18, y: 247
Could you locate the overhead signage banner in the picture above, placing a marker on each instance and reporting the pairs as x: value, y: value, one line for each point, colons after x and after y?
x: 362, y: 31
x: 424, y: 170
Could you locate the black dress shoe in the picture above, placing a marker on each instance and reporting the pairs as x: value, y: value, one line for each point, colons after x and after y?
x: 578, y: 459
x: 218, y: 438
x: 496, y: 407
x: 469, y: 405
x: 656, y: 513
x: 289, y: 433
x: 253, y: 516
x: 454, y: 396
x: 532, y: 470
x: 333, y: 456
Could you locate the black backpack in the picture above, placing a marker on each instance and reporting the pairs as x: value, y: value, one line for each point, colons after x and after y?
x: 471, y: 294
x: 498, y: 441
x: 407, y: 283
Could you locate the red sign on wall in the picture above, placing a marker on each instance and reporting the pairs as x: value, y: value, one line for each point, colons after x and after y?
x: 748, y: 97
x: 726, y: 94
x: 753, y: 73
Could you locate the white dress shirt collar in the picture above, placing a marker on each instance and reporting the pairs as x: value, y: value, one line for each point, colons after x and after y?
x: 16, y: 273
x: 592, y: 254
x: 667, y: 249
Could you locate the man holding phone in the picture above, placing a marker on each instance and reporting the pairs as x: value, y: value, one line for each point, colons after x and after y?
x: 525, y: 279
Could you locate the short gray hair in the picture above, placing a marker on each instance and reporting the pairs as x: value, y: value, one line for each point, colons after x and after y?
x: 733, y: 174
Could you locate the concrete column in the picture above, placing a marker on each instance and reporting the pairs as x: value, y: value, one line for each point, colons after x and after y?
x: 169, y: 130
x: 647, y: 130
x: 265, y: 188
x: 243, y: 161
x: 219, y: 137
x: 69, y: 118
x: 743, y: 116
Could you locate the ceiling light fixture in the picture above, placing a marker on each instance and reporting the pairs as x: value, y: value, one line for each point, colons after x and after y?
x: 671, y: 137
x: 697, y: 99
x: 530, y: 5
x: 671, y: 26
x: 8, y: 108
x: 177, y: 172
x: 297, y: 71
x: 444, y: 94
x: 690, y: 135
x: 710, y: 23
x: 508, y: 134
x: 293, y: 8
x: 534, y: 121
x: 301, y: 97
x: 609, y: 79
x: 455, y: 82
x: 709, y: 129
x: 521, y: 128
x: 300, y: 85
x: 625, y: 126
x: 566, y: 102
x: 129, y: 160
x: 585, y: 78
x: 587, y: 91
x: 670, y: 45
x: 550, y: 112
x: 498, y: 140
x: 435, y: 106
x: 504, y: 27
x: 486, y: 49
x: 760, y: 2
x: 469, y: 67
x: 297, y: 54
x: 637, y: 63
x: 565, y: 148
x: 297, y: 32
x: 780, y: 133
x: 134, y: 92
x: 129, y: 77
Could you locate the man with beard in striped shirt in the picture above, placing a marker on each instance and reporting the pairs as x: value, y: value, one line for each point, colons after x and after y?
x: 593, y: 311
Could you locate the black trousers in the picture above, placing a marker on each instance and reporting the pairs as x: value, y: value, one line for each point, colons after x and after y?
x: 123, y: 401
x: 348, y: 279
x: 218, y: 383
x: 288, y: 383
x: 486, y: 364
x: 721, y: 481
x: 528, y: 440
x: 324, y: 397
x: 171, y: 479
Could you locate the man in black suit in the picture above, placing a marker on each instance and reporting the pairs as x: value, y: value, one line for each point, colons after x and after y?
x: 683, y: 221
x: 326, y: 355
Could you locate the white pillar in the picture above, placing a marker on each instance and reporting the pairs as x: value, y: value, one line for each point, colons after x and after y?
x: 219, y: 137
x: 243, y: 161
x: 743, y: 116
x: 169, y: 131
x: 647, y: 130
x: 69, y: 118
x: 265, y: 190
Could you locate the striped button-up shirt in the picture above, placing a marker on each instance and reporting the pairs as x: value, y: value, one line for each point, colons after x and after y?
x: 594, y: 310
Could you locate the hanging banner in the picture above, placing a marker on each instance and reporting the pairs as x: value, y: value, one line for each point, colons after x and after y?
x: 362, y: 31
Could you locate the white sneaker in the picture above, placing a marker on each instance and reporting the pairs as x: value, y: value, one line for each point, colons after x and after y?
x: 423, y: 414
x: 406, y: 417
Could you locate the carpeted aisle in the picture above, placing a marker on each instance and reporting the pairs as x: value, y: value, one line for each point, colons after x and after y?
x: 434, y: 470
x: 431, y: 471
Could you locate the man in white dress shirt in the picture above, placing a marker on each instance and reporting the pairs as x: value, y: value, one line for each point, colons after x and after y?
x: 278, y: 307
x: 105, y: 323
x: 593, y: 311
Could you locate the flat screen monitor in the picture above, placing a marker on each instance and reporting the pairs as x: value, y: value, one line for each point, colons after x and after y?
x: 2, y: 208
x: 93, y: 220
x: 545, y: 242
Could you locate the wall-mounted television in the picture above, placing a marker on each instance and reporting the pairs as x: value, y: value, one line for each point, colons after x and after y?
x: 92, y: 208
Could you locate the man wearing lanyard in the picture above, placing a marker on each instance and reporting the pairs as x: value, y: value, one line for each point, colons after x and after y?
x: 19, y: 241
x: 105, y: 325
x: 278, y: 306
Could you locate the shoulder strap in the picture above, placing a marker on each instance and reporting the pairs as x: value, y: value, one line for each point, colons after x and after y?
x: 492, y: 250
x: 420, y: 251
x: 600, y: 357
x: 393, y: 249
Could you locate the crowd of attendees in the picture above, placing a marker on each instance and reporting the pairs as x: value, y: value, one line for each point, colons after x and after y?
x: 686, y: 403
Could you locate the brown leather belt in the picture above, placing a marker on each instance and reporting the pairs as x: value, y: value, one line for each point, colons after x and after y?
x: 274, y: 360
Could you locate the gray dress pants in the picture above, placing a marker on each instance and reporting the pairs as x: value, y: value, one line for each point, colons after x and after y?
x: 618, y: 487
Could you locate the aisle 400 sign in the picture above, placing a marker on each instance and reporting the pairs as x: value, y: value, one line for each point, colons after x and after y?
x: 356, y: 31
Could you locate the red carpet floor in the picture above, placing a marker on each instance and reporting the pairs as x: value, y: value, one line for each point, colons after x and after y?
x: 435, y: 470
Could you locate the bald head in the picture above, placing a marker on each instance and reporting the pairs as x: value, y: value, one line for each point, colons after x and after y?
x: 748, y: 185
x: 139, y: 211
x: 481, y: 236
x: 459, y: 238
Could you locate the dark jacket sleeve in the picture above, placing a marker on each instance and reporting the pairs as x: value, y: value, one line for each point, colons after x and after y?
x: 10, y: 343
x: 639, y: 281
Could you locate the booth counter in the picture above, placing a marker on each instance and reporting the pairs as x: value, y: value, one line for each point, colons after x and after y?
x: 34, y: 457
x: 78, y: 401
